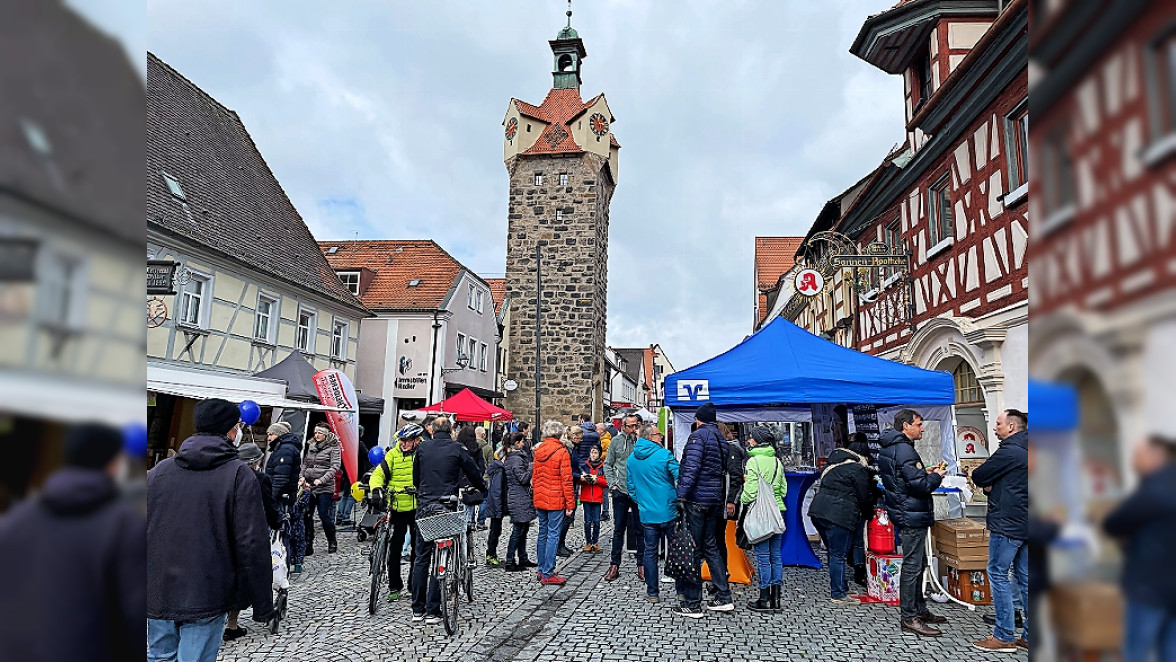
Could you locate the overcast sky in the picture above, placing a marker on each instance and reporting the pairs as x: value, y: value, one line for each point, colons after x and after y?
x: 383, y: 120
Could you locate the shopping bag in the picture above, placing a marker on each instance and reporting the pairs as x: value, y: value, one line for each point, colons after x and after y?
x: 278, y: 562
x: 763, y: 518
x: 680, y: 556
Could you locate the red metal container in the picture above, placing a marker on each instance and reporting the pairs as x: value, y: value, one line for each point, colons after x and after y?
x: 880, y: 533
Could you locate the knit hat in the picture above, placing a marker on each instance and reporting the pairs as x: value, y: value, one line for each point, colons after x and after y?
x: 280, y: 428
x: 324, y: 427
x: 92, y: 446
x: 249, y: 452
x: 706, y: 413
x: 762, y: 435
x: 216, y: 416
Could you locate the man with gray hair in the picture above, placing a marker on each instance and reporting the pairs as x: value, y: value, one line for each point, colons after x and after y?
x: 628, y: 517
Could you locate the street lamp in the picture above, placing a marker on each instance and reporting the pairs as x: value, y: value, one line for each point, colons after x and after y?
x: 462, y: 362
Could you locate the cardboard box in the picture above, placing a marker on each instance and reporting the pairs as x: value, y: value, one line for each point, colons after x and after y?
x: 963, y: 564
x: 883, y: 572
x: 961, y: 532
x: 964, y: 553
x: 970, y: 586
x: 1088, y: 615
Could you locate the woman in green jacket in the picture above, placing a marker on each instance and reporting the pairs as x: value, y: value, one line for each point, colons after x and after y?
x: 769, y: 568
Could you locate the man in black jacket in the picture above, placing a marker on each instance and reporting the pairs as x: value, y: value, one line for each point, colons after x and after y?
x: 846, y: 497
x: 74, y: 554
x: 908, y: 487
x: 1145, y: 523
x: 1005, y: 477
x: 436, y: 473
x: 207, y: 541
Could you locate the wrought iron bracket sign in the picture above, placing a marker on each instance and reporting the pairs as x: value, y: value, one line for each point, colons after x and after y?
x: 161, y: 277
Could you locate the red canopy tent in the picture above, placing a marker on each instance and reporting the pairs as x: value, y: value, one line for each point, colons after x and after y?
x: 466, y: 406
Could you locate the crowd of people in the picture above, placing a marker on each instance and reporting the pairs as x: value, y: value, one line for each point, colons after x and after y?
x: 540, y: 482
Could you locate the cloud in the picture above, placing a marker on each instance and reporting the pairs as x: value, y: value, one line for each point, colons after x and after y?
x: 737, y: 118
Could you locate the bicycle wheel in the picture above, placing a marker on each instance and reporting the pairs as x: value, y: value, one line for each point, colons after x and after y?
x: 449, y: 599
x: 376, y: 568
x: 279, y: 611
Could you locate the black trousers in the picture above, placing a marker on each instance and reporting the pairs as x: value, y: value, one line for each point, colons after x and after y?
x: 518, y: 543
x: 402, y: 523
x: 426, y: 592
x: 626, y: 517
x: 911, y: 600
x: 495, y: 534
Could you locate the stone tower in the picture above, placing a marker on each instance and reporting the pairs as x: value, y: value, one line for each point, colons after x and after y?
x: 562, y: 161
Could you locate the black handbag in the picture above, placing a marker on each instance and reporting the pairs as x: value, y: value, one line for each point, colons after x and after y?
x: 680, y: 556
x: 473, y: 497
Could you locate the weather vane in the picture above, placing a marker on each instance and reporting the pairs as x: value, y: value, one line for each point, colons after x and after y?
x: 569, y: 13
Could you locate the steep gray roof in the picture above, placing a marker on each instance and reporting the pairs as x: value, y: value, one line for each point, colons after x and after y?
x: 234, y: 204
x: 633, y: 360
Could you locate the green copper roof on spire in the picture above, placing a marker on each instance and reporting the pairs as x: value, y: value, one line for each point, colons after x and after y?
x: 568, y: 32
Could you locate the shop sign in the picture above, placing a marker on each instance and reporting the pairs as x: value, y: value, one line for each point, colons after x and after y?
x: 161, y: 277
x: 869, y: 261
x: 809, y: 282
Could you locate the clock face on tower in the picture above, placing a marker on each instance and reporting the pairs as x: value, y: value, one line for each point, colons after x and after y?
x: 598, y: 124
x: 512, y: 128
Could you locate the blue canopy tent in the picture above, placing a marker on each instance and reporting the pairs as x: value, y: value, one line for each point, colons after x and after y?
x: 778, y: 373
x: 1053, y: 425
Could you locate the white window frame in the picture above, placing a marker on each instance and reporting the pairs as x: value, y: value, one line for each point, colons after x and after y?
x: 270, y: 327
x: 61, y: 289
x: 346, y: 283
x: 559, y: 214
x: 311, y: 332
x: 173, y: 186
x: 563, y: 179
x: 538, y: 179
x: 479, y: 298
x: 939, y: 234
x: 339, y: 342
x: 483, y: 350
x: 205, y: 301
x: 461, y: 339
x: 470, y: 297
x: 473, y: 353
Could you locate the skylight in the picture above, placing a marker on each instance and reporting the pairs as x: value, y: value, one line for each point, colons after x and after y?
x: 332, y: 250
x: 414, y: 282
x: 173, y: 186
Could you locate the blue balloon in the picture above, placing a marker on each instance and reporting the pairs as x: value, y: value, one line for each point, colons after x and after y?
x: 376, y: 455
x: 250, y: 412
x: 135, y: 439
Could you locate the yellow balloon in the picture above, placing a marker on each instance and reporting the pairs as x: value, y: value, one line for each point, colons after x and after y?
x: 358, y: 491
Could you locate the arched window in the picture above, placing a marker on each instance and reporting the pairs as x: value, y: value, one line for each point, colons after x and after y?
x: 565, y: 62
x: 967, y: 388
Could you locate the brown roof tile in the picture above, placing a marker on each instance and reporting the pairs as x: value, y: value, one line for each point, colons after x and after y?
x: 774, y: 256
x: 497, y: 292
x: 558, y: 110
x: 396, y: 263
x: 234, y: 204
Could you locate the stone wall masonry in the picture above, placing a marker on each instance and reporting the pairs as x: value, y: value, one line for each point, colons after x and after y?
x: 575, y: 283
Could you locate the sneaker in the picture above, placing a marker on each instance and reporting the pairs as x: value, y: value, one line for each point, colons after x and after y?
x: 605, y: 518
x: 666, y: 579
x: 995, y: 645
x: 513, y: 567
x: 393, y: 596
x: 652, y: 598
x: 298, y: 568
x: 417, y: 618
x: 237, y: 633
x: 683, y: 610
x: 564, y: 552
x: 598, y: 549
x: 715, y: 605
x: 493, y: 562
x: 845, y: 602
x: 554, y: 580
x: 432, y: 619
x: 588, y: 548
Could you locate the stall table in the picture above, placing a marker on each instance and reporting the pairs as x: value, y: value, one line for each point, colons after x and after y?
x: 795, y: 548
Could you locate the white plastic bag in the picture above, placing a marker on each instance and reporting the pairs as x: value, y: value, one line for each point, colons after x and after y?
x: 278, y: 562
x: 763, y: 518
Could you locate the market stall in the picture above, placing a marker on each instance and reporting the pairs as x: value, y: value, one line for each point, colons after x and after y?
x: 466, y: 406
x: 784, y: 374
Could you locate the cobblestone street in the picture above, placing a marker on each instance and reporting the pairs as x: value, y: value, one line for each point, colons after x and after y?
x: 514, y: 618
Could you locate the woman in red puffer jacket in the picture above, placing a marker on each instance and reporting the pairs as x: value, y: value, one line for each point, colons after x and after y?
x: 555, y: 497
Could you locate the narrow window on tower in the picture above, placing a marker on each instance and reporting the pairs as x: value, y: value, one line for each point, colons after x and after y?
x: 563, y: 179
x: 538, y: 179
x: 559, y: 214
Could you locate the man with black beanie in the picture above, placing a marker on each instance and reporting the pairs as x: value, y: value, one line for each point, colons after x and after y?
x: 58, y: 544
x: 207, y: 541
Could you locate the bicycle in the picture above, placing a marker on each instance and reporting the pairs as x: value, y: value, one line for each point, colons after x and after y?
x: 453, y: 558
x: 378, y: 552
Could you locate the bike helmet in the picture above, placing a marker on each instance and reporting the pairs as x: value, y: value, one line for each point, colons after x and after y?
x: 410, y: 431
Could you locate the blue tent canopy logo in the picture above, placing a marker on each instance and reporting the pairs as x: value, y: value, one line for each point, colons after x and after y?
x: 697, y: 390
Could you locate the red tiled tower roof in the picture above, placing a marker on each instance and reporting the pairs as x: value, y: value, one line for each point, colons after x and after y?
x: 561, y: 106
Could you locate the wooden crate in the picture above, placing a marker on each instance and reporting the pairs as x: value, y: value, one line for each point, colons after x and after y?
x: 970, y: 586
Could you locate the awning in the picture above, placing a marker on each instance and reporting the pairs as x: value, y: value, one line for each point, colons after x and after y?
x: 53, y: 398
x: 203, y: 384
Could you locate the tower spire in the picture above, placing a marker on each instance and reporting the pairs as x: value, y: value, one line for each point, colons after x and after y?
x: 569, y: 14
x: 569, y: 52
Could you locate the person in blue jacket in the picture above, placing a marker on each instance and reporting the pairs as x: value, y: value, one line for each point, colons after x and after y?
x: 1145, y: 523
x: 701, y: 482
x: 652, y: 475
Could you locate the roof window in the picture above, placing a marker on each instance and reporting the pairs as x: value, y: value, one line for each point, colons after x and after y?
x: 415, y: 282
x: 173, y: 186
x: 332, y: 250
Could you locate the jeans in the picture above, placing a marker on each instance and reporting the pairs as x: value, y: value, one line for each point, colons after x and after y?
x: 194, y: 641
x: 518, y: 543
x: 346, y: 504
x: 568, y: 521
x: 911, y: 600
x: 591, y: 523
x: 604, y: 505
x: 482, y: 513
x: 402, y: 523
x: 1003, y: 553
x: 550, y: 523
x: 1148, y: 630
x: 839, y: 541
x: 700, y: 521
x: 654, y: 534
x: 426, y: 592
x: 325, y: 504
x: 721, y: 533
x: 495, y: 534
x: 769, y: 568
x: 471, y: 515
x: 625, y: 514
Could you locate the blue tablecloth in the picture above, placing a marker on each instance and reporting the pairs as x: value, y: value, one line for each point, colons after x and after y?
x: 795, y: 548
